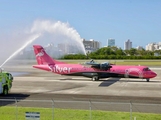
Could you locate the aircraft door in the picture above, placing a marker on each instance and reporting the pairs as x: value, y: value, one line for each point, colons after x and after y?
x: 126, y: 73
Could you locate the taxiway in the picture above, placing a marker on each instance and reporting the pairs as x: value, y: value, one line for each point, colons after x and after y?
x: 34, y: 84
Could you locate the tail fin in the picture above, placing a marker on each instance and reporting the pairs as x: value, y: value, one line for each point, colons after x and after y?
x: 42, y: 57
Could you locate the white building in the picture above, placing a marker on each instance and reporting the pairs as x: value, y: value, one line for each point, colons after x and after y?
x: 152, y: 47
x: 139, y: 48
x: 127, y: 45
x: 91, y: 45
x: 159, y: 45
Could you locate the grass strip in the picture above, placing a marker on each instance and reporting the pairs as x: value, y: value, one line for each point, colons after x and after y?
x: 13, y: 113
x: 121, y: 62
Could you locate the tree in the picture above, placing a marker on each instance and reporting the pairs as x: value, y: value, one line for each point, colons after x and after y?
x: 120, y: 52
x: 133, y: 51
x: 117, y: 53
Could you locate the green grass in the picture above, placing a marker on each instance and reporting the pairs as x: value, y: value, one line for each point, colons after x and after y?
x: 13, y: 113
x: 146, y: 63
x: 122, y: 62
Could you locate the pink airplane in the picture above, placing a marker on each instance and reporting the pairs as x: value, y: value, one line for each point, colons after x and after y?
x: 91, y: 69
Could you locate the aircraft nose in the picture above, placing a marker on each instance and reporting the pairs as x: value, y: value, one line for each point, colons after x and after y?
x: 154, y: 74
x: 150, y: 74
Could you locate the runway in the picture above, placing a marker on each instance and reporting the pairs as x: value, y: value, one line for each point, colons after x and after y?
x: 34, y: 84
x: 84, y: 86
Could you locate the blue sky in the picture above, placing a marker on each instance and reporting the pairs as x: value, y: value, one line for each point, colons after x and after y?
x: 137, y: 20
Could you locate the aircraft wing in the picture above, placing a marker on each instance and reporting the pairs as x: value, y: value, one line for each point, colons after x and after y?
x: 93, y: 64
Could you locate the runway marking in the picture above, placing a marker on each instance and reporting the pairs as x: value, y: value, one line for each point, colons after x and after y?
x: 49, y: 79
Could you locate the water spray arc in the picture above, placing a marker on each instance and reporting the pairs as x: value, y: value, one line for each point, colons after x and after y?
x: 60, y: 33
x: 64, y: 38
x: 20, y: 49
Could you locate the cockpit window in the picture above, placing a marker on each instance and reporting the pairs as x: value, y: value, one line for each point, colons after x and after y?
x: 146, y: 69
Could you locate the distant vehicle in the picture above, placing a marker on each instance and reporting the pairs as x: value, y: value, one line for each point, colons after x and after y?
x: 90, y: 69
x: 6, y: 80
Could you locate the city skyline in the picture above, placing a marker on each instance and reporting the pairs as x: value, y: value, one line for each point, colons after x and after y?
x: 137, y: 20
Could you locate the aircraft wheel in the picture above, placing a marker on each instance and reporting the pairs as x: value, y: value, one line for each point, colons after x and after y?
x: 95, y: 78
x: 5, y: 90
x: 147, y: 80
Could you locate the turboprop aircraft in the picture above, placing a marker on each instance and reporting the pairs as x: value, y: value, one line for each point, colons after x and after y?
x: 90, y: 69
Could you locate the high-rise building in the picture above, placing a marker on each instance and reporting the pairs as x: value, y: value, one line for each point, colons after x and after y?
x: 159, y: 45
x: 127, y: 45
x: 111, y: 42
x: 91, y: 45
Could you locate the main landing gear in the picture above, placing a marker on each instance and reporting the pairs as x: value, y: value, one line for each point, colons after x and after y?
x: 147, y: 79
x: 95, y: 78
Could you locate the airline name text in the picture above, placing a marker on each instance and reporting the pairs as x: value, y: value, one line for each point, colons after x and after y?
x: 58, y: 69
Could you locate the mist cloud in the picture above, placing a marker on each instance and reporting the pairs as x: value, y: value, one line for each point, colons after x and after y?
x: 55, y: 32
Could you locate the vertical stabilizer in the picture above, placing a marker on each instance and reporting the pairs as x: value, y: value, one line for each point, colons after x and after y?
x: 41, y: 56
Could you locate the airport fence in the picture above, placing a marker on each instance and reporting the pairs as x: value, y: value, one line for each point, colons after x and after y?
x: 16, y: 109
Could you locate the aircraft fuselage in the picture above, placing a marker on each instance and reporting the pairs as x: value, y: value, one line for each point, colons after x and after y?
x: 115, y: 71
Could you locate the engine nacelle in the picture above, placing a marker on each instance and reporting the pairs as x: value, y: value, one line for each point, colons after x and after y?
x: 105, y: 66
